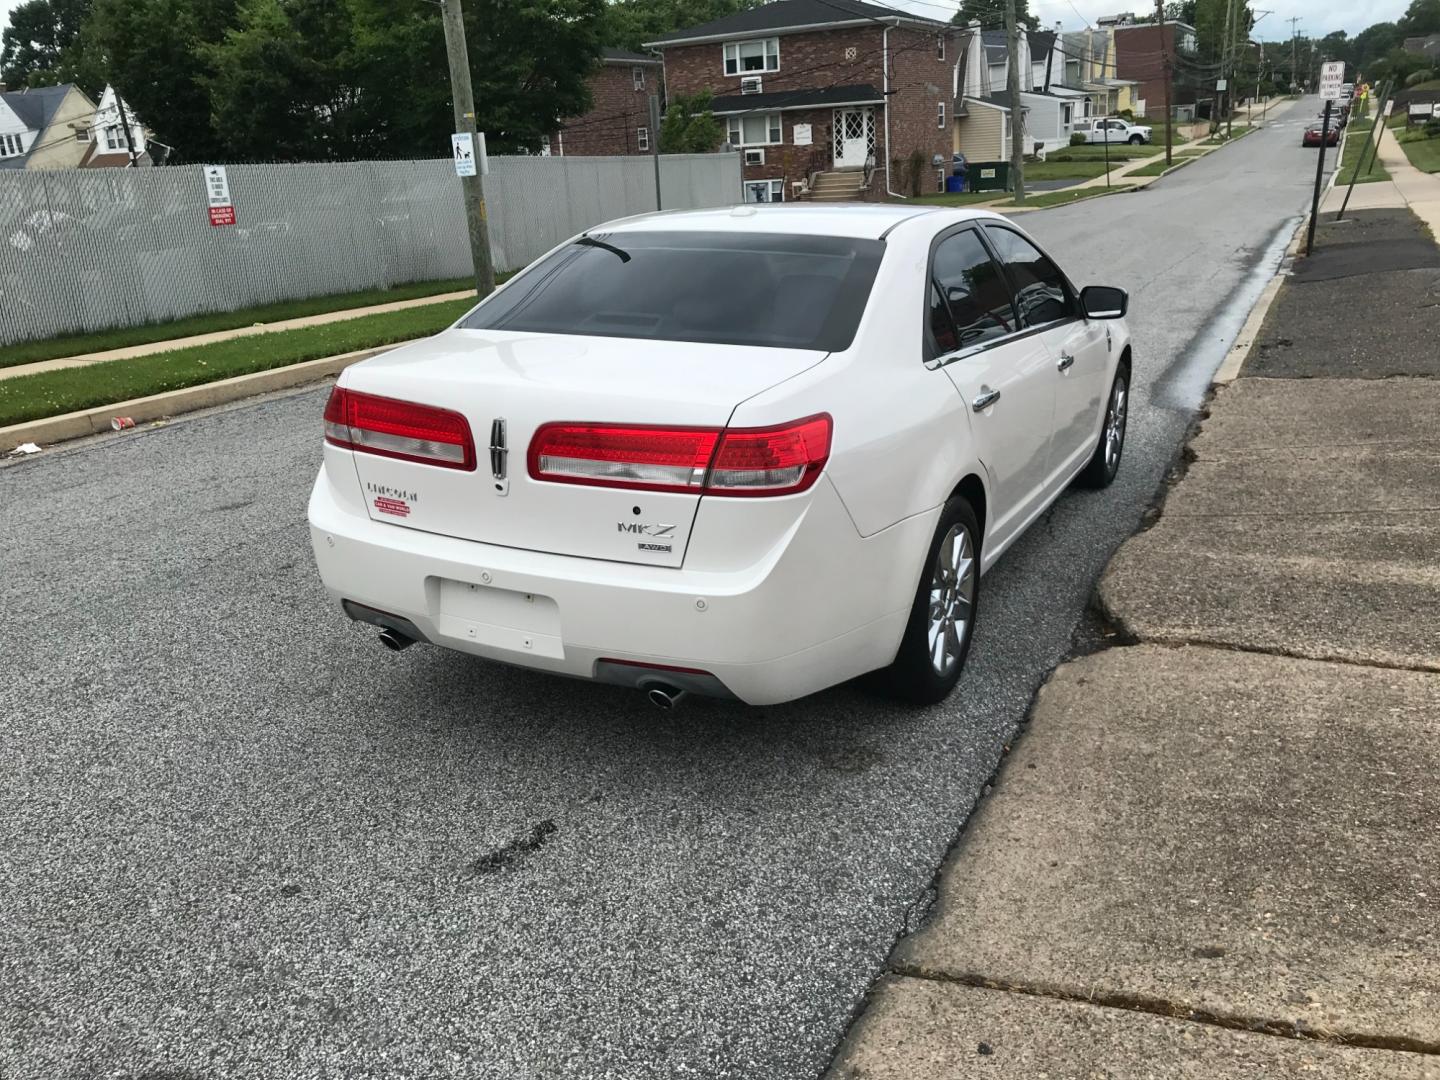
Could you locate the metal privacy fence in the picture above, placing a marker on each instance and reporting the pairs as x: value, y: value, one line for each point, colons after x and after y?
x: 91, y: 249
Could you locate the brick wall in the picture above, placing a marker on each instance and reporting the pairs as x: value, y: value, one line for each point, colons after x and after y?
x: 1138, y: 56
x: 617, y: 112
x: 846, y: 56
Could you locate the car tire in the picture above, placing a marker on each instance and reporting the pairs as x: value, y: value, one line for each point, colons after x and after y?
x: 1136, y: 140
x: 1104, y: 463
x: 942, y: 617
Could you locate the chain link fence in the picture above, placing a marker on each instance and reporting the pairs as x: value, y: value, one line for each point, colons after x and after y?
x: 91, y: 249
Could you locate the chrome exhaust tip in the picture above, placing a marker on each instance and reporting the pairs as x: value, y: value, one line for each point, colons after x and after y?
x: 665, y: 697
x: 394, y: 640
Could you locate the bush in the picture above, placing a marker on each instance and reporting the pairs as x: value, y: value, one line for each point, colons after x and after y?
x: 1432, y: 128
x: 915, y: 165
x: 1415, y: 78
x: 1077, y: 139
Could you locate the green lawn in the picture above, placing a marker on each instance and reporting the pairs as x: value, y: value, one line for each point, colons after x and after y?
x: 1060, y: 198
x: 1356, y: 141
x: 50, y: 393
x: 964, y: 198
x: 1068, y: 170
x: 1155, y: 168
x: 1118, y: 152
x: 1424, y: 154
x: 29, y: 352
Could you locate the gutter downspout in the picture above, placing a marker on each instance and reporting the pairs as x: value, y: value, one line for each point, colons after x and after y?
x: 885, y: 62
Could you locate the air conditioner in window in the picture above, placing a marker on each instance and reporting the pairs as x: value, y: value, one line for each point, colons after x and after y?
x: 751, y: 85
x: 754, y: 157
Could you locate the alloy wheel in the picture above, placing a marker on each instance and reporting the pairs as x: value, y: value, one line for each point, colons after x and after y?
x: 952, y: 598
x: 1115, y: 425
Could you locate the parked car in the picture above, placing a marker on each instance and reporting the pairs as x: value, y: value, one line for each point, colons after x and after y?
x: 1112, y: 129
x: 1316, y: 131
x: 747, y: 452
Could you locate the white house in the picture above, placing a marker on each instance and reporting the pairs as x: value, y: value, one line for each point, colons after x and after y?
x: 982, y: 122
x: 111, y: 146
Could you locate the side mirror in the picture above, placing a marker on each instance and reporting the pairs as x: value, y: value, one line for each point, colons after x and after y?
x: 1104, y: 302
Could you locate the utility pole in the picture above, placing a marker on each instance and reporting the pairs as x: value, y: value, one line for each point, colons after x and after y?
x: 1224, y: 69
x: 471, y: 187
x: 1017, y: 113
x: 125, y: 127
x: 1235, y: 39
x: 1169, y: 80
x: 655, y: 144
x: 1294, y: 39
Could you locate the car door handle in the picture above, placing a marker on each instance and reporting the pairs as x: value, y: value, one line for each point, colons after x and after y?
x: 1065, y: 361
x: 987, y: 398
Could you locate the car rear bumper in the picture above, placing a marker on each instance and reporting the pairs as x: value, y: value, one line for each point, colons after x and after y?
x: 824, y: 606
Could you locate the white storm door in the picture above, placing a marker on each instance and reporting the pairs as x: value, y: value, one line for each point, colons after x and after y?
x: 854, y: 128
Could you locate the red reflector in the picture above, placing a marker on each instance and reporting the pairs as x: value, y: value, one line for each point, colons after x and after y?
x: 399, y: 429
x: 776, y: 460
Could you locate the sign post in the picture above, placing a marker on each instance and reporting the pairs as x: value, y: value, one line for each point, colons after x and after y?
x: 1332, y: 77
x: 217, y: 193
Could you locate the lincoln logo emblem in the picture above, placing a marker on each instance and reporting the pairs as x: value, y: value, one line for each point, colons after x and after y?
x: 498, y: 452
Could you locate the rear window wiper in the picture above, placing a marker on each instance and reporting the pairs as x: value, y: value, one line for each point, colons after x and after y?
x: 590, y: 241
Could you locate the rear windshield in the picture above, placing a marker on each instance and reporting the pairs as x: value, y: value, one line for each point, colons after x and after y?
x: 775, y: 290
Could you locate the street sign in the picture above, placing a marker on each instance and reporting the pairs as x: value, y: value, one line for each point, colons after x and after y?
x: 462, y: 145
x: 217, y: 194
x: 1332, y: 78
x: 1219, y: 85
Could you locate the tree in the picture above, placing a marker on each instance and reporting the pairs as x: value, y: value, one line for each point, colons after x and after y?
x: 154, y: 54
x: 991, y: 14
x: 631, y: 23
x: 33, y: 46
x: 689, y: 126
x: 1420, y: 18
x: 281, y: 83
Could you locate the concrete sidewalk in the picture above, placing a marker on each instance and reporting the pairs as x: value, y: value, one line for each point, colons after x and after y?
x: 1213, y: 854
x: 132, y: 351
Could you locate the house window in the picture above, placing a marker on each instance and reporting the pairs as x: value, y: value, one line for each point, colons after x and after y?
x: 637, y: 76
x: 758, y: 191
x: 114, y: 140
x: 642, y: 138
x: 762, y: 129
x: 11, y: 146
x: 940, y: 47
x: 744, y: 57
x: 940, y: 115
x: 82, y: 134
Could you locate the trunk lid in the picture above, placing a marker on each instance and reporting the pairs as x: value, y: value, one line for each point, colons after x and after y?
x: 526, y: 380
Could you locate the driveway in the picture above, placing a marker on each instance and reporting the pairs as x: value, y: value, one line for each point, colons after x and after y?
x: 243, y: 840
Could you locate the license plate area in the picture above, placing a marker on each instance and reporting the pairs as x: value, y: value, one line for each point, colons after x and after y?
x: 526, y: 623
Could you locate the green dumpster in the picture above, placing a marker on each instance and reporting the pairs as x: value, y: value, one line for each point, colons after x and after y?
x: 988, y: 176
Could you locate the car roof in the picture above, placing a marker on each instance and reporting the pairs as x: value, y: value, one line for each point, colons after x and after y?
x: 866, y: 221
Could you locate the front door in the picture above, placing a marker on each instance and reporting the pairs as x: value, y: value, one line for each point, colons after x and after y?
x: 854, y: 136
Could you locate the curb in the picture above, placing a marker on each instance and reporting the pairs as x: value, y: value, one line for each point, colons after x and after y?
x: 75, y: 425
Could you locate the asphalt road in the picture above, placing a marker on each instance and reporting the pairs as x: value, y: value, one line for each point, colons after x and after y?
x: 240, y: 839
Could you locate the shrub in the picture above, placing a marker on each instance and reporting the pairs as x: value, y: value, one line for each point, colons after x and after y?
x: 1415, y: 78
x: 915, y: 163
x: 1432, y: 128
x: 1077, y: 139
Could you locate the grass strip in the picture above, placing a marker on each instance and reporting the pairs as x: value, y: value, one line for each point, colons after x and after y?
x: 962, y: 198
x: 1089, y: 152
x: 1157, y: 168
x: 29, y: 352
x: 1068, y: 170
x: 1357, y: 140
x: 51, y: 393
x: 1060, y: 198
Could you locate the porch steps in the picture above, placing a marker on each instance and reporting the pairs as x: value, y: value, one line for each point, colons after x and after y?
x: 841, y: 186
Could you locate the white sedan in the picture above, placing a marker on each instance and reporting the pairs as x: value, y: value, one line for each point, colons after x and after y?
x: 747, y: 453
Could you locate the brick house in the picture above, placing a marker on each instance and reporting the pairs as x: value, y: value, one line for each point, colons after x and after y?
x: 825, y: 98
x: 1140, y: 55
x: 619, y: 118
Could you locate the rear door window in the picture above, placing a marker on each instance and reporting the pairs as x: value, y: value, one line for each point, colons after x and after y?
x: 768, y: 290
x: 1041, y: 292
x: 970, y: 302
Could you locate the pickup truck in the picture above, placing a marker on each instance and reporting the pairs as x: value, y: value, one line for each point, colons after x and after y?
x: 1112, y: 129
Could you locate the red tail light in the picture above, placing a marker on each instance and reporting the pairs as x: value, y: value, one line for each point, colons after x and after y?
x: 776, y: 460
x: 399, y: 429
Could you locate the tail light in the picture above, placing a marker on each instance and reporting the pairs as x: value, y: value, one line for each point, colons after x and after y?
x: 778, y: 460
x: 399, y: 429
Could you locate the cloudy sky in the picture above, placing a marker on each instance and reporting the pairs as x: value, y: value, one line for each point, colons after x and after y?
x: 1317, y: 17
